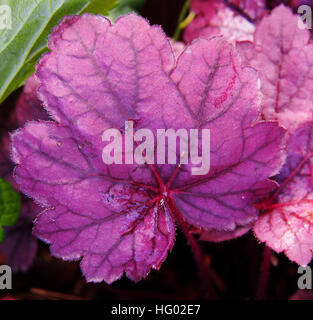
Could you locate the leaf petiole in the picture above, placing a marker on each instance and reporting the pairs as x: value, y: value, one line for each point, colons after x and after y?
x: 181, y: 18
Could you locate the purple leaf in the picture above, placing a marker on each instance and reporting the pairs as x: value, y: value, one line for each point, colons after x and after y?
x: 214, y: 17
x: 19, y: 246
x: 6, y: 165
x: 255, y: 9
x: 283, y: 56
x: 287, y: 225
x: 218, y: 236
x: 121, y: 218
x: 178, y: 47
x: 29, y: 107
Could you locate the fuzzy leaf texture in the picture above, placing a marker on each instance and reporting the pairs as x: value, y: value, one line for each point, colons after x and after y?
x: 287, y: 224
x: 25, y: 40
x: 27, y: 108
x: 19, y: 246
x: 282, y: 53
x: 121, y: 218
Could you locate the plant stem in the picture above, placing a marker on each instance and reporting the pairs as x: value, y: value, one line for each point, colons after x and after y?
x: 208, y: 286
x: 181, y: 18
x: 265, y: 272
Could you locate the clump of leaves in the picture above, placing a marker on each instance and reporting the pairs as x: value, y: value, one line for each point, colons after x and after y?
x: 234, y: 19
x: 281, y: 53
x: 287, y: 222
x: 19, y: 246
x: 21, y: 45
x: 122, y: 218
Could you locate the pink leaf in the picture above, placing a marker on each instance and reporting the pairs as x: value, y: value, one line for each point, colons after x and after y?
x: 19, y: 246
x: 178, y: 47
x: 218, y: 236
x: 121, y: 218
x: 215, y: 18
x: 205, y: 11
x: 205, y: 7
x: 255, y: 9
x: 6, y: 165
x: 283, y: 56
x: 287, y: 225
x: 29, y: 107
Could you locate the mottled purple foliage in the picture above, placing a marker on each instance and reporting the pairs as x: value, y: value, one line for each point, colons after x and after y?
x: 287, y: 225
x: 282, y: 54
x: 215, y: 17
x: 121, y: 218
x: 20, y: 246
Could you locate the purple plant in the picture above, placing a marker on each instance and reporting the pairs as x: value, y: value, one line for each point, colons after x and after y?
x: 122, y: 218
x: 20, y: 246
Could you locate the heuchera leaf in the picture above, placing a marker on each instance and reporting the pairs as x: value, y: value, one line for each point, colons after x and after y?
x: 216, y: 18
x: 178, y: 47
x: 28, y: 106
x: 26, y: 40
x: 19, y: 246
x: 287, y: 224
x: 218, y: 236
x: 6, y: 165
x: 121, y: 218
x: 255, y: 9
x: 282, y: 54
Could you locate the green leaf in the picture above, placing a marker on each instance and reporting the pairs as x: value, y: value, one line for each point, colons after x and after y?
x: 135, y: 4
x: 32, y: 21
x: 1, y: 234
x: 125, y: 6
x: 100, y: 6
x: 10, y: 206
